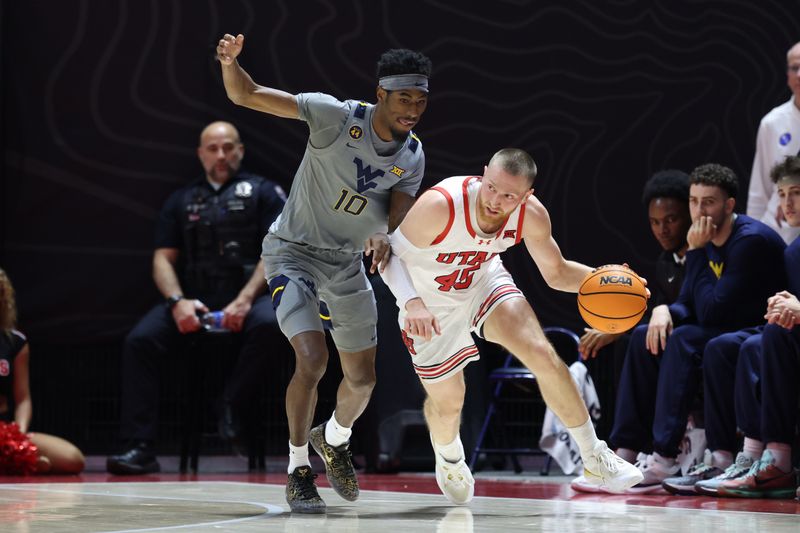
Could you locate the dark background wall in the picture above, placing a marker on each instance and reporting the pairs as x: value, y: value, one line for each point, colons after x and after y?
x: 102, y: 104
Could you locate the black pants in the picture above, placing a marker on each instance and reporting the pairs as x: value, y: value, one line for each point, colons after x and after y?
x: 156, y: 337
x: 725, y: 382
x: 780, y: 372
x: 656, y: 393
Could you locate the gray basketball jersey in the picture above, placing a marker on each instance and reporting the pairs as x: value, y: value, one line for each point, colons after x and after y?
x: 340, y: 193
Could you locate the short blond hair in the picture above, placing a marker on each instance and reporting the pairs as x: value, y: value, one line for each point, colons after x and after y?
x: 8, y: 304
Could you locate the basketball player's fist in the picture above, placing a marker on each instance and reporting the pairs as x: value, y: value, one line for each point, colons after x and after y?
x: 420, y: 322
x: 229, y: 48
x: 701, y: 232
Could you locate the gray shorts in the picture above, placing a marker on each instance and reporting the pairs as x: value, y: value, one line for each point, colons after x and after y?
x: 301, y: 275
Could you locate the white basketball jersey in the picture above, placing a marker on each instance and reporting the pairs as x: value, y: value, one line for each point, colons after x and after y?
x: 462, y: 255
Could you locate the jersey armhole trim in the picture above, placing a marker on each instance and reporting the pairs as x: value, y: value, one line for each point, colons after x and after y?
x: 451, y: 205
x: 467, y: 221
x: 521, y: 222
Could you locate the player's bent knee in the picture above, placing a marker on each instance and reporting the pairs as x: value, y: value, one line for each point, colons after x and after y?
x: 311, y: 366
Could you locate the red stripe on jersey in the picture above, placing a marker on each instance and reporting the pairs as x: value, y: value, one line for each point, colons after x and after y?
x: 497, y: 294
x: 448, y: 365
x: 521, y: 222
x: 452, y: 207
x: 467, y: 221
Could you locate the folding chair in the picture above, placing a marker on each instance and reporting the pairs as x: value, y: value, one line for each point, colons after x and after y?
x: 515, y: 385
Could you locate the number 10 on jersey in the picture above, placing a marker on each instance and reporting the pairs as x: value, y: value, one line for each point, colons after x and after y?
x: 350, y: 202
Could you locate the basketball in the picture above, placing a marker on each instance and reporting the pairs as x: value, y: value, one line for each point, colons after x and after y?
x: 612, y: 298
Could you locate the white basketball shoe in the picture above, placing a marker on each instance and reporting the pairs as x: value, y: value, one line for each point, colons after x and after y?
x: 604, y: 468
x: 454, y: 479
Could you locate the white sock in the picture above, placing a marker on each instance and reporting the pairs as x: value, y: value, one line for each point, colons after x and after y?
x: 298, y: 456
x: 452, y: 452
x: 782, y: 454
x: 753, y: 448
x: 722, y: 458
x: 335, y: 434
x: 585, y: 437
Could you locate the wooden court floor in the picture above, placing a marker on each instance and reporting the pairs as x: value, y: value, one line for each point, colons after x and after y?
x: 97, y: 502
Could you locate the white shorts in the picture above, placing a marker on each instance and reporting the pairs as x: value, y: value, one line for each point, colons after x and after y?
x: 444, y: 355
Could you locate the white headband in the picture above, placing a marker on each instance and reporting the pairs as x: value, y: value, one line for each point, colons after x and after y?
x: 404, y: 81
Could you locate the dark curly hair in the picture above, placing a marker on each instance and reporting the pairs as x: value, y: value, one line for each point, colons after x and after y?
x: 671, y: 183
x: 717, y: 176
x: 790, y: 166
x: 402, y: 61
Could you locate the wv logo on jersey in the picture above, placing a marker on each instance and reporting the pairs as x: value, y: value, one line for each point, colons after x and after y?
x: 365, y: 176
x: 717, y: 268
x: 616, y: 280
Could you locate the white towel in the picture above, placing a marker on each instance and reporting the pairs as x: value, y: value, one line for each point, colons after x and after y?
x: 556, y: 440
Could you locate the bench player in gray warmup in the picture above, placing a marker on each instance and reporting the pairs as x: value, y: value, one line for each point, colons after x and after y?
x: 362, y: 167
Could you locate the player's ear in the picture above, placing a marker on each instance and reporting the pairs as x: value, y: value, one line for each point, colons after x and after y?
x: 730, y: 205
x: 381, y: 93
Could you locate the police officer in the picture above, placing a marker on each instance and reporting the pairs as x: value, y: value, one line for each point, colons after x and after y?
x: 206, y: 258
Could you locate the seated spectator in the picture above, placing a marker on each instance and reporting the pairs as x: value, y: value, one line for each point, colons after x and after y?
x: 53, y: 455
x: 730, y: 270
x: 666, y: 197
x: 766, y: 377
x: 207, y: 257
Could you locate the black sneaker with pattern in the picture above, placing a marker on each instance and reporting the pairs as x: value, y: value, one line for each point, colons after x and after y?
x: 301, y: 493
x: 338, y: 464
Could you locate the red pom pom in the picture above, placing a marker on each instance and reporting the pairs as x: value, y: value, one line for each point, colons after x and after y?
x: 18, y: 455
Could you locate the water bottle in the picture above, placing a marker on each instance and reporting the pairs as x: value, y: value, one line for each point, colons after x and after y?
x: 212, y: 321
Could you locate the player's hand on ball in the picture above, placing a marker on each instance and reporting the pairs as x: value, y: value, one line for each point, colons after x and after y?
x: 420, y: 322
x: 644, y: 280
x: 229, y: 48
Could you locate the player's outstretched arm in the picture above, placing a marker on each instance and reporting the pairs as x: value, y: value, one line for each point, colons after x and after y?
x: 241, y: 88
x: 377, y: 244
x: 559, y: 273
x: 425, y: 221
